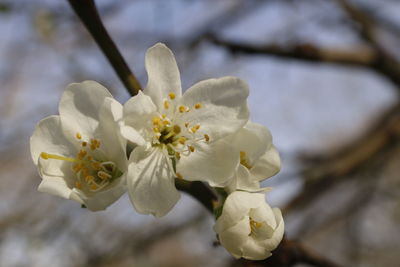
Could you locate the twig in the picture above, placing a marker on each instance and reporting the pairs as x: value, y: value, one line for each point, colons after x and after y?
x: 289, y: 253
x: 87, y: 12
x: 307, y: 52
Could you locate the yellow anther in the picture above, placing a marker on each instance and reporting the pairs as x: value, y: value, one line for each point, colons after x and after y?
x: 182, y: 108
x: 165, y: 122
x: 78, y: 136
x: 163, y: 116
x: 166, y: 104
x: 89, y: 178
x: 84, y: 143
x: 78, y: 185
x: 82, y: 153
x: 156, y: 129
x: 186, y: 124
x: 96, y: 165
x: 182, y: 140
x: 207, y: 137
x: 89, y: 158
x: 176, y: 129
x: 178, y: 155
x: 45, y: 155
x: 93, y: 187
x: 197, y: 106
x: 195, y: 128
x: 172, y: 96
x: 103, y: 175
x: 156, y: 120
x: 178, y: 175
x: 191, y: 148
x: 77, y: 167
x: 255, y: 224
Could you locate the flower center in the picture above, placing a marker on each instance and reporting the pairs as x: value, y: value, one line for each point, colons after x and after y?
x: 244, y: 160
x: 91, y: 174
x: 254, y: 226
x: 178, y: 139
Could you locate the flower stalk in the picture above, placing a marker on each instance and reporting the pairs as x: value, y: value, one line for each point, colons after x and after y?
x: 87, y: 12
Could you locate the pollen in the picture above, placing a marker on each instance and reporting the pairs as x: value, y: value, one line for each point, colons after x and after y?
x: 156, y: 120
x: 207, y: 137
x: 191, y: 148
x: 197, y: 106
x: 195, y: 128
x: 176, y: 129
x: 156, y: 129
x: 166, y: 104
x: 171, y: 96
x: 182, y: 108
x: 78, y: 136
x: 182, y: 140
x: 94, y: 143
x: 82, y: 153
x: 84, y: 144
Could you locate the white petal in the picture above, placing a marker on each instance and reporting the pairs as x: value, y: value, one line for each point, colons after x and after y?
x: 238, y: 204
x: 253, y: 250
x: 55, y: 186
x: 79, y: 108
x: 151, y: 184
x: 243, y: 180
x: 214, y: 163
x: 163, y: 74
x: 112, y: 143
x: 254, y: 139
x: 224, y: 106
x: 235, y: 237
x: 48, y: 137
x: 102, y: 199
x: 271, y: 243
x: 268, y: 165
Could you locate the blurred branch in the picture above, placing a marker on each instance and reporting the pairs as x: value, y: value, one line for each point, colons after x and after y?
x: 289, y: 253
x: 323, y: 172
x: 87, y: 12
x: 307, y: 52
x: 385, y: 63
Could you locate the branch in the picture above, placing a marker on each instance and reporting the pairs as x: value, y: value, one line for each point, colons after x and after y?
x: 289, y: 253
x: 384, y: 63
x: 307, y: 52
x: 87, y: 12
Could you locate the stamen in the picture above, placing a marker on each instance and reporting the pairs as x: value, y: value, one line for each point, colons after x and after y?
x: 186, y: 124
x: 178, y: 175
x: 103, y: 175
x: 182, y: 140
x: 82, y: 153
x: 176, y: 129
x: 84, y: 143
x: 166, y: 104
x: 156, y: 120
x: 197, y: 106
x: 191, y: 148
x: 89, y: 178
x: 45, y: 155
x: 156, y: 129
x: 182, y: 109
x: 178, y: 155
x: 243, y: 160
x: 78, y: 136
x: 195, y: 128
x: 93, y: 187
x: 172, y: 96
x: 207, y: 137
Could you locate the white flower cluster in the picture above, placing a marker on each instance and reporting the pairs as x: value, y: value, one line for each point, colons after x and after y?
x: 97, y: 149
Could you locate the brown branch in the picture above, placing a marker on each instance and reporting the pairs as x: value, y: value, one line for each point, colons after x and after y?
x: 324, y: 172
x: 385, y: 63
x: 87, y: 12
x: 307, y: 52
x: 289, y: 253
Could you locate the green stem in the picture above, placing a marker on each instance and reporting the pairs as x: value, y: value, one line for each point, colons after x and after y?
x: 88, y: 14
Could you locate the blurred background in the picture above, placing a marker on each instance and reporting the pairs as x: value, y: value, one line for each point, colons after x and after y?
x: 324, y: 77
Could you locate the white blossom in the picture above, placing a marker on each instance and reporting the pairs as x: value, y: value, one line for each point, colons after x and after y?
x: 176, y: 133
x: 259, y: 158
x: 248, y: 227
x: 80, y: 154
